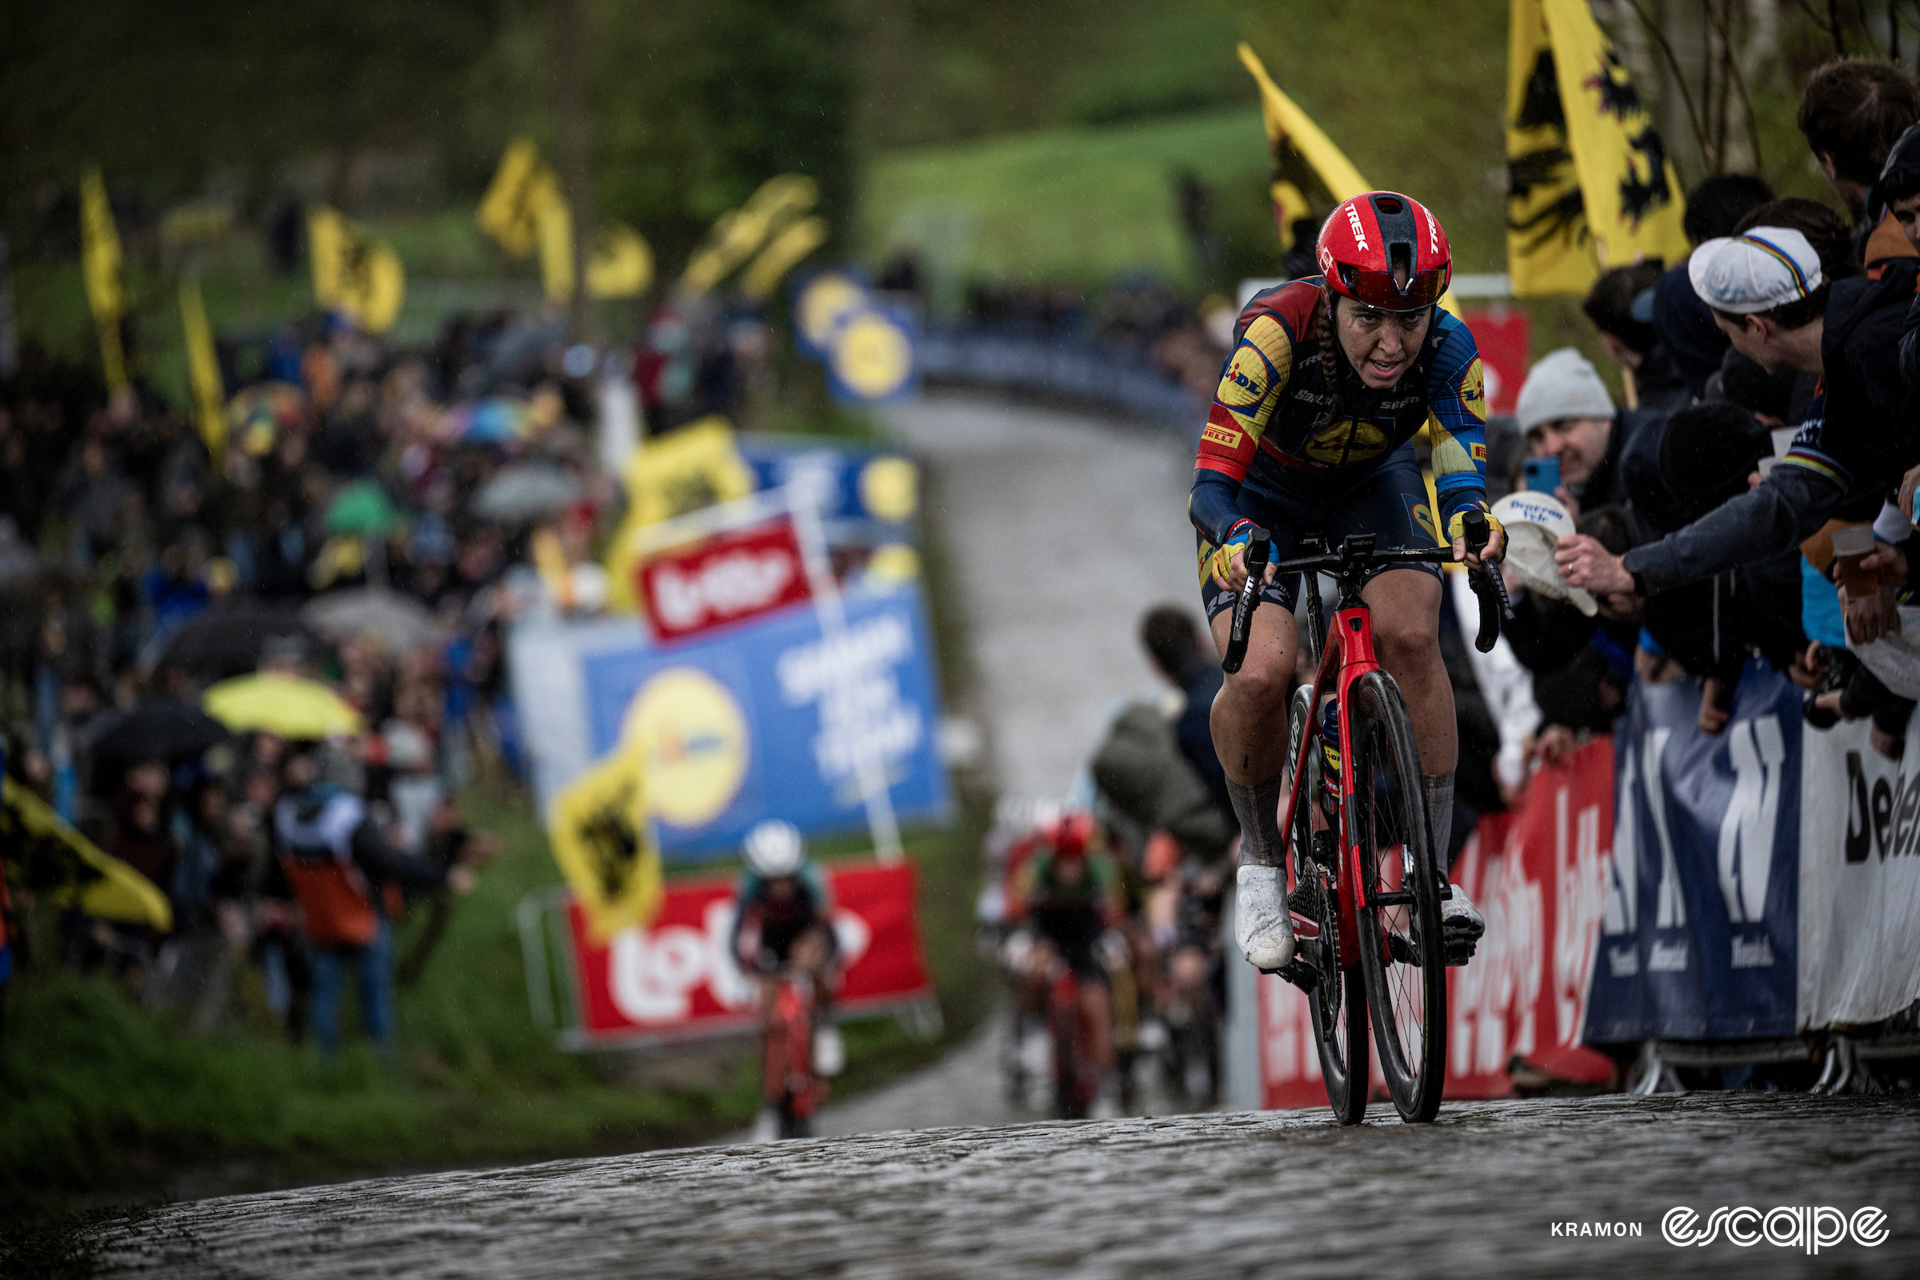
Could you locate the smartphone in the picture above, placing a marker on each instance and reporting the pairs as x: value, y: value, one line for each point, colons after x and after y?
x: 1543, y: 475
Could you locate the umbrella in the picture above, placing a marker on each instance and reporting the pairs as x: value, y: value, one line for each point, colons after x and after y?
x: 362, y: 509
x: 525, y: 492
x: 495, y: 420
x: 286, y: 705
x: 402, y: 621
x: 227, y: 639
x: 157, y: 731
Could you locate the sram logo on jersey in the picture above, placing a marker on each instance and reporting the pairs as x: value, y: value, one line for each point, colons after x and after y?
x: 1225, y: 437
x: 1359, y: 233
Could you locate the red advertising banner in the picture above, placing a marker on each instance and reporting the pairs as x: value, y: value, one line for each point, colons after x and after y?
x: 724, y: 579
x: 677, y: 979
x: 1538, y: 874
x: 1503, y: 335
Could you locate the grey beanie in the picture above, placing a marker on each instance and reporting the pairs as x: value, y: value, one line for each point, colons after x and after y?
x: 1562, y: 384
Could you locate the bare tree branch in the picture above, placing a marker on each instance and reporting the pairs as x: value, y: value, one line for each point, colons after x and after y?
x: 1679, y: 76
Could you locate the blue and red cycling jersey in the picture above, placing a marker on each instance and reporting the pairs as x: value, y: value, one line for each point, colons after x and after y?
x: 1270, y: 433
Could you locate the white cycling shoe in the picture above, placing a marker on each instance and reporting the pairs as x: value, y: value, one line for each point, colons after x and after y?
x: 766, y: 1126
x: 1262, y: 925
x: 829, y: 1052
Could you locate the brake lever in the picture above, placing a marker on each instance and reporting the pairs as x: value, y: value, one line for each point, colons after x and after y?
x: 1259, y: 551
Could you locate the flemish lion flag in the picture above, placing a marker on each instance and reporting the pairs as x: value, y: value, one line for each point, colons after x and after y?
x: 521, y: 189
x: 695, y: 467
x: 100, y: 264
x: 354, y: 275
x: 1589, y: 184
x: 604, y: 844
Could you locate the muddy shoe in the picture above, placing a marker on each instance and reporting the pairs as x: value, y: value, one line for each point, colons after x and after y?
x: 1461, y: 926
x: 1261, y: 923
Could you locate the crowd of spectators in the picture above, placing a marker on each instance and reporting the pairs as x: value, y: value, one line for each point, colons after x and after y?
x: 1766, y: 410
x: 364, y: 531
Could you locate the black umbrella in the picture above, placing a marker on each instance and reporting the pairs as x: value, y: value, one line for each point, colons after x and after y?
x: 227, y: 639
x: 157, y: 731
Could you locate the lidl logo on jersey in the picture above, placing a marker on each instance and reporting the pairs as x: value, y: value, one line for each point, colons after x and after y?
x: 1473, y: 390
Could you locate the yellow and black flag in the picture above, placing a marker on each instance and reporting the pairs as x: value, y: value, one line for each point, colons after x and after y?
x: 360, y: 278
x: 100, y: 264
x: 602, y: 838
x: 521, y: 190
x: 203, y: 369
x: 1293, y: 138
x: 1588, y: 180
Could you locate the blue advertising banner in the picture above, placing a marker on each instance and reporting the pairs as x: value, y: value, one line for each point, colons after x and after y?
x: 1699, y: 935
x: 852, y: 485
x: 771, y: 720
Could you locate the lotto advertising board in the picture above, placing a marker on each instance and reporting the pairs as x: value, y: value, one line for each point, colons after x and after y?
x: 1537, y: 875
x: 677, y: 978
x: 725, y: 579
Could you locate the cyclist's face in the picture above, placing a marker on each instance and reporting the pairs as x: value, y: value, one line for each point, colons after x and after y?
x: 1380, y: 345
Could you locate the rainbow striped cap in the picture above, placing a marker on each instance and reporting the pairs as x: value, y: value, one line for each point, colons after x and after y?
x: 1757, y: 270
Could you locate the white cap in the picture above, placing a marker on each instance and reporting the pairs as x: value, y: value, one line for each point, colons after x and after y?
x: 1535, y: 523
x: 1562, y: 384
x: 1757, y: 270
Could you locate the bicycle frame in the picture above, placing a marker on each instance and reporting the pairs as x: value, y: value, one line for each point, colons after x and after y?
x: 1347, y: 656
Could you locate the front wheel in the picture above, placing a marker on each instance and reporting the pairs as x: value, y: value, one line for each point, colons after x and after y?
x: 1337, y: 1002
x: 1402, y: 951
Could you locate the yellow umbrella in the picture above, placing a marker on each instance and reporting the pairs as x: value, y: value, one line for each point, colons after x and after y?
x: 44, y: 853
x: 286, y: 705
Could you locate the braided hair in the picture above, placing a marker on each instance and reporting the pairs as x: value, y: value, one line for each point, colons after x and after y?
x: 1332, y: 367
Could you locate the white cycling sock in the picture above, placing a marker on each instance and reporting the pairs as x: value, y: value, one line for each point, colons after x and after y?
x: 1258, y: 808
x: 1439, y: 791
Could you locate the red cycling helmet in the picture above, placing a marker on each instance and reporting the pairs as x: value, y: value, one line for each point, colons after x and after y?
x: 1385, y: 250
x: 1071, y: 836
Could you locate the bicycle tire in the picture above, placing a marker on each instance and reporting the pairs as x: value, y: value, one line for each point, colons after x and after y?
x: 1337, y: 1002
x: 1402, y: 952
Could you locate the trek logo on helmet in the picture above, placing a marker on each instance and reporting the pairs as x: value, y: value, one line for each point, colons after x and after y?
x: 1359, y: 232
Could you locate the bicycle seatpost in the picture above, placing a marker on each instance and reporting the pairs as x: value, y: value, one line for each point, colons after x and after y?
x: 1259, y: 550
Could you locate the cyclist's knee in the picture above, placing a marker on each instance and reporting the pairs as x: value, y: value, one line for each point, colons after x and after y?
x: 1256, y: 692
x: 1405, y: 638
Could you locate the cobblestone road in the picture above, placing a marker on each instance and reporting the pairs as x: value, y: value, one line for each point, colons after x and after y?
x: 1475, y: 1194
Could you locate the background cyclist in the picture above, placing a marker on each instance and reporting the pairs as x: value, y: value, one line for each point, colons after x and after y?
x: 782, y: 920
x: 1070, y: 893
x: 1311, y: 434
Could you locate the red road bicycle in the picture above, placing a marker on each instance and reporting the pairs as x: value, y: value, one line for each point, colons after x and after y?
x: 787, y: 1078
x: 1365, y: 894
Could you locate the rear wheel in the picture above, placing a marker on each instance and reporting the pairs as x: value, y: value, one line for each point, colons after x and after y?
x: 1401, y: 948
x: 1338, y: 1000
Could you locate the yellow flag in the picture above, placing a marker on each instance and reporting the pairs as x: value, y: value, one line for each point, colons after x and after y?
x: 100, y: 264
x: 1283, y: 119
x: 695, y: 467
x: 605, y: 845
x: 1549, y: 248
x: 739, y: 233
x: 521, y: 188
x: 621, y: 264
x: 1633, y: 198
x: 203, y: 369
x: 359, y: 277
x: 43, y: 851
x: 782, y: 255
x: 556, y: 249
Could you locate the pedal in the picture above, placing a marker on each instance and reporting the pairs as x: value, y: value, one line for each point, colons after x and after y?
x: 1460, y: 950
x: 1301, y: 972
